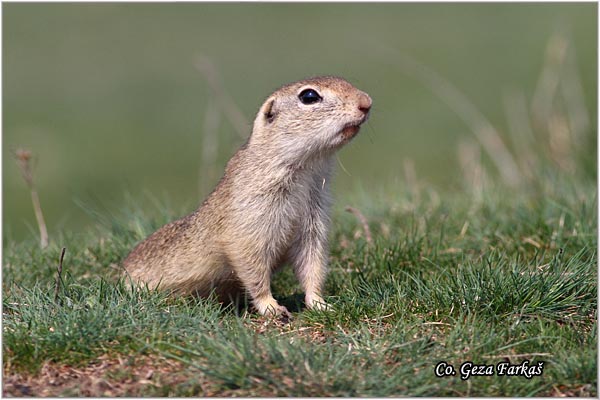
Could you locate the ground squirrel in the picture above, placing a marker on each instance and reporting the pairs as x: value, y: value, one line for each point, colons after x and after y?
x: 270, y: 207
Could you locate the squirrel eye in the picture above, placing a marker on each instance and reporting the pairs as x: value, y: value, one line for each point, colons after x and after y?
x: 309, y: 96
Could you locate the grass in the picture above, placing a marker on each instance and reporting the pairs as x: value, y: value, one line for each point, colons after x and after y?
x: 498, y: 264
x: 508, y: 278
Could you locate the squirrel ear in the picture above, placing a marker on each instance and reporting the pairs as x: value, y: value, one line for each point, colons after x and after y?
x: 269, y: 112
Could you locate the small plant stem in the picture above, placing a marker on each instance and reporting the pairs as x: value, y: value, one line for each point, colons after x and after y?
x: 207, y: 68
x: 39, y: 216
x: 363, y: 221
x: 24, y: 161
x: 59, y: 274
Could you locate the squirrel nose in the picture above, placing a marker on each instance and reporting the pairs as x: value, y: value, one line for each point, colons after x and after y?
x: 364, y: 102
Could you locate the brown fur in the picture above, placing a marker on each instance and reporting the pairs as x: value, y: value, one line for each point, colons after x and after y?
x: 270, y: 207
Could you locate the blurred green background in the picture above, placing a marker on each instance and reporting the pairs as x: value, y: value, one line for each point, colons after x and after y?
x: 107, y: 97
